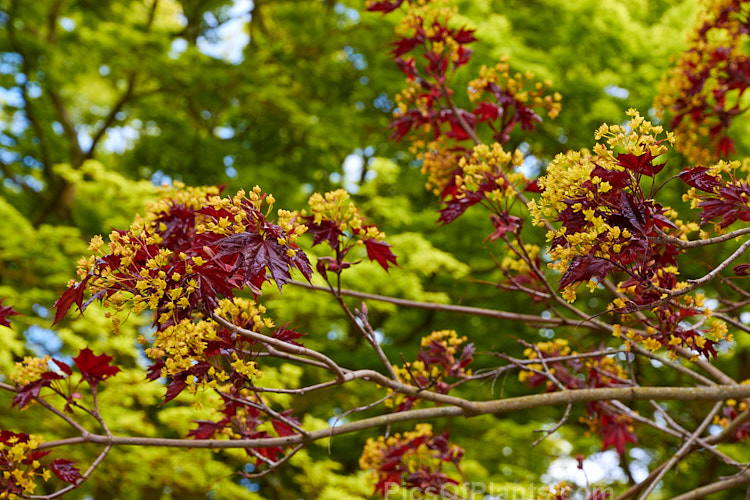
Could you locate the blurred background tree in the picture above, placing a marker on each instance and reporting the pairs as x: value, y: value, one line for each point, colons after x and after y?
x: 103, y: 100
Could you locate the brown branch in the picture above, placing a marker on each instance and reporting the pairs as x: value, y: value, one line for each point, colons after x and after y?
x: 664, y: 238
x: 695, y: 283
x: 684, y: 449
x: 476, y: 311
x: 495, y: 407
x: 282, y: 346
x: 703, y: 491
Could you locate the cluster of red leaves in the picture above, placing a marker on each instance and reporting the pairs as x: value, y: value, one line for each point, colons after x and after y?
x: 241, y: 418
x: 61, y: 467
x: 6, y: 311
x: 230, y: 261
x: 593, y: 372
x: 644, y: 256
x: 425, y: 475
x: 437, y: 355
x: 722, y: 201
x: 623, y: 206
x: 433, y: 110
x: 328, y: 231
x: 93, y: 369
x: 431, y: 80
x: 216, y: 354
x: 714, y: 77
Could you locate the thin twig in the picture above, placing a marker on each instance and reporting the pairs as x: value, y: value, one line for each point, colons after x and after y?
x: 684, y: 449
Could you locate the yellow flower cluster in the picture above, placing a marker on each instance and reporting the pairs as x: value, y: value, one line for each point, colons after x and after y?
x: 438, y: 164
x: 155, y: 289
x: 516, y: 85
x: 422, y: 13
x: 653, y: 340
x: 420, y: 374
x: 737, y: 406
x: 563, y: 187
x: 559, y: 491
x: 732, y: 172
x: 13, y: 454
x: 557, y: 347
x: 30, y: 370
x: 608, y: 368
x: 336, y: 206
x: 514, y: 262
x: 448, y: 340
x: 183, y: 344
x: 488, y: 162
x: 640, y: 136
x: 567, y: 172
x: 375, y: 450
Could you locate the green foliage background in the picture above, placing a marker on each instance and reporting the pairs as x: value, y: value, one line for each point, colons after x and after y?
x: 102, y: 100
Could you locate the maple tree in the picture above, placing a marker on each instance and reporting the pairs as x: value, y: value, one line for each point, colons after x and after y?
x: 595, y: 225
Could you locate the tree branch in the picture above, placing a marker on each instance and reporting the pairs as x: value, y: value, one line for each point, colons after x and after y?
x: 495, y: 407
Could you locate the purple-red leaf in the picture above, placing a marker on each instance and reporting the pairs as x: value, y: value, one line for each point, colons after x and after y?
x: 404, y: 45
x: 73, y: 295
x: 6, y: 311
x: 65, y: 367
x: 384, y: 6
x: 698, y: 178
x: 205, y: 430
x: 255, y: 254
x: 640, y: 164
x: 584, y: 269
x: 380, y: 252
x: 742, y: 270
x: 174, y: 389
x: 65, y: 470
x: 28, y: 392
x: 94, y: 368
x: 616, y: 433
x: 464, y: 35
x: 286, y: 335
x: 487, y: 111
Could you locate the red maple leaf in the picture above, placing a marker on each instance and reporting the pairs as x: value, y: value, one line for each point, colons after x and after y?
x: 286, y: 335
x: 617, y: 433
x: 327, y: 231
x: 73, y: 295
x: 585, y: 268
x: 384, y: 6
x: 404, y: 45
x: 255, y: 254
x: 698, y: 178
x: 380, y: 252
x: 65, y: 471
x: 725, y: 147
x: 6, y: 311
x: 640, y: 164
x: 464, y: 35
x: 282, y: 428
x: 486, y: 111
x: 205, y: 430
x: 94, y: 368
x: 28, y: 393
